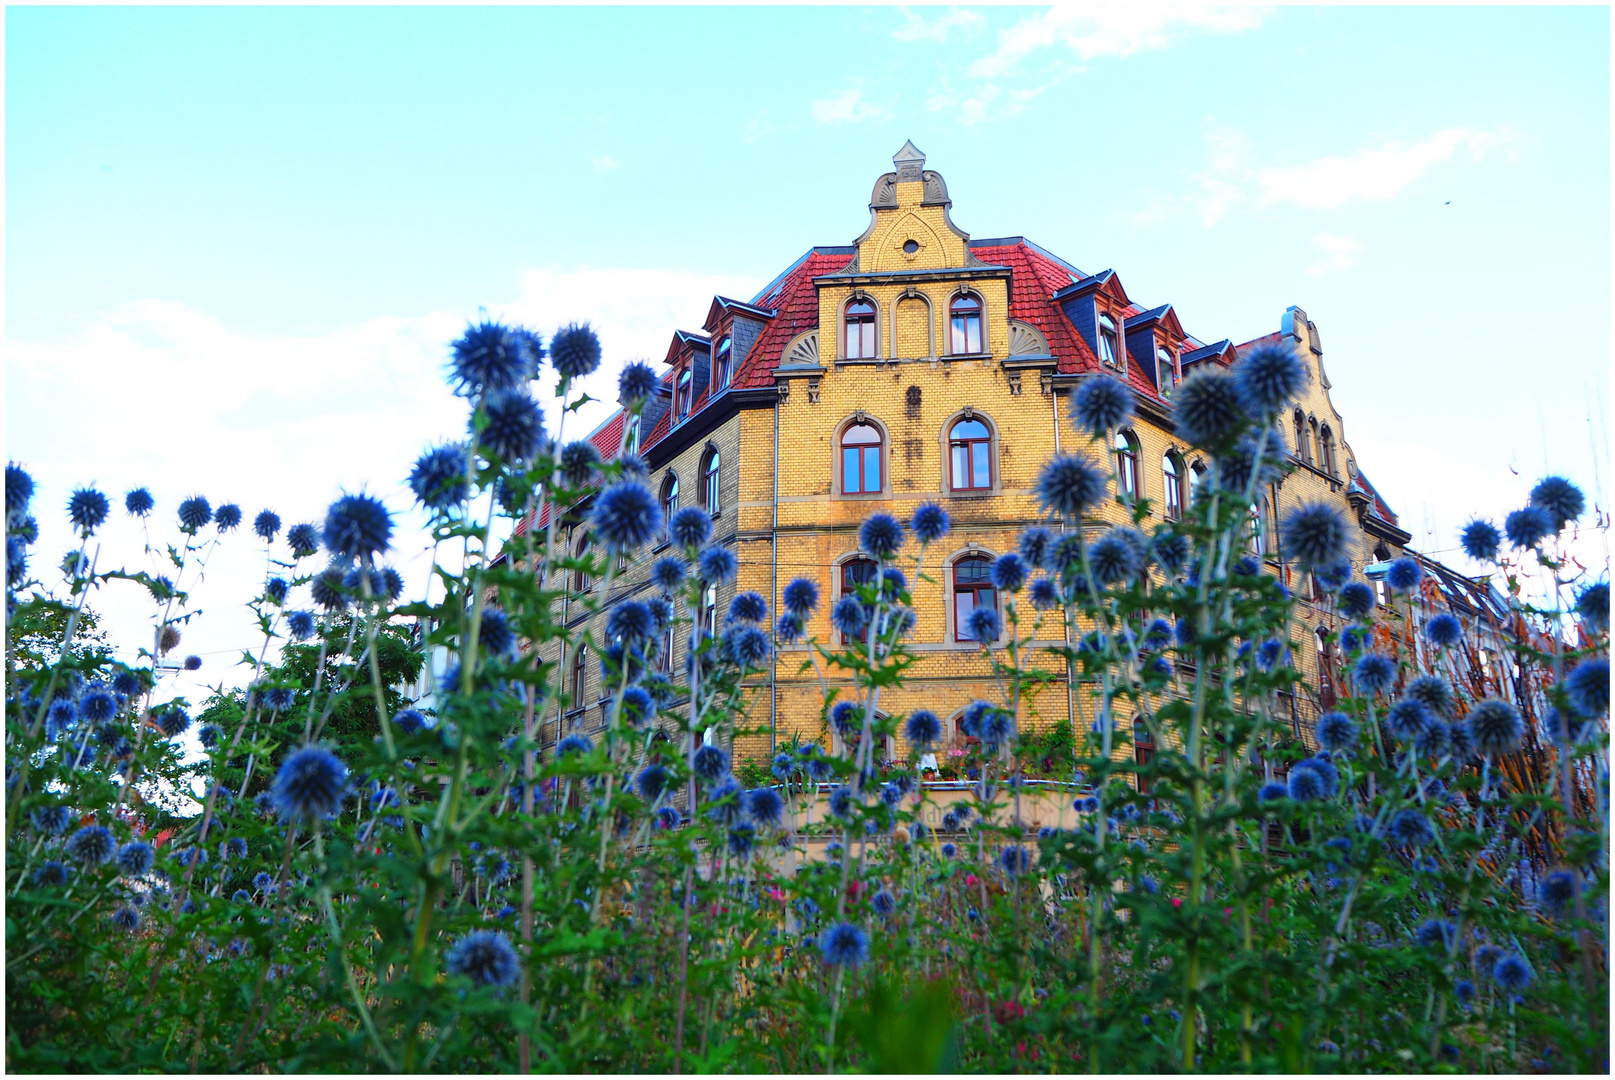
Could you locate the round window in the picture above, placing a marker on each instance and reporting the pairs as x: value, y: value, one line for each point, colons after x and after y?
x: 910, y: 246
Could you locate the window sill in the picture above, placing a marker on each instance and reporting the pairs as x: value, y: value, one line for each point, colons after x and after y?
x: 973, y: 493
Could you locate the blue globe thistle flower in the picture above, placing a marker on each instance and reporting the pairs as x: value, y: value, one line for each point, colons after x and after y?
x: 1208, y: 408
x: 50, y: 820
x: 883, y: 903
x: 1305, y: 785
x: 99, y: 706
x: 311, y: 784
x: 881, y: 536
x: 1560, y: 499
x: 328, y: 589
x: 126, y: 919
x: 575, y: 351
x: 139, y: 502
x: 51, y: 872
x: 1034, y: 545
x: 1267, y: 655
x: 668, y: 573
x: 746, y: 646
x: 783, y: 766
x: 1247, y: 566
x: 1527, y: 527
x: 241, y: 896
x: 1315, y: 534
x: 983, y: 625
x: 1356, y: 600
x: 930, y: 523
x: 490, y: 357
x: 789, y: 629
x: 485, y: 957
x: 262, y: 881
x: 573, y: 744
x: 1269, y: 377
x: 765, y: 806
x: 496, y: 635
x: 1015, y: 860
x: 845, y: 718
x: 742, y: 837
x: 717, y: 565
x: 1271, y: 791
x: 1253, y: 462
x: 1481, y: 540
x: 1460, y: 743
x: 515, y: 430
x: 1406, y: 718
x: 579, y: 460
x: 1588, y: 686
x: 392, y: 584
x: 266, y: 525
x: 651, y: 781
x: 128, y: 683
x: 1404, y: 574
x: 1410, y: 828
x: 1444, y: 630
x: 748, y: 607
x: 87, y: 508
x: 208, y: 735
x: 1435, y: 934
x: 172, y: 721
x: 1434, y: 741
x: 279, y: 698
x: 16, y: 561
x: 438, y: 478
x: 1044, y: 595
x: 630, y: 622
x: 1336, y: 732
x: 840, y: 801
x: 1333, y: 576
x: 922, y: 727
x: 61, y: 715
x: 19, y: 490
x: 91, y: 844
x: 801, y: 597
x: 358, y: 527
x: 227, y: 517
x: 1496, y: 727
x: 1486, y: 958
x: 635, y: 383
x: 996, y: 727
x: 1069, y: 484
x: 627, y: 515
x: 1113, y: 559
x: 1064, y: 556
x: 725, y: 805
x: 849, y: 616
x: 949, y: 851
x: 711, y: 763
x: 1593, y: 606
x: 233, y: 848
x: 668, y: 818
x: 1102, y: 403
x: 845, y: 945
x: 275, y: 590
x: 194, y: 513
x: 1171, y: 550
x: 1157, y: 635
x: 1009, y: 572
x: 818, y: 769
x: 1354, y: 638
x: 193, y: 663
x: 303, y: 539
x: 1374, y: 672
x: 1464, y: 991
x: 1557, y: 892
x: 690, y: 527
x: 1512, y: 974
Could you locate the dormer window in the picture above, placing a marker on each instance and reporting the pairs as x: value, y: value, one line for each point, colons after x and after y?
x: 965, y: 312
x: 1166, y: 375
x: 630, y: 443
x: 1110, y: 349
x: 860, y: 330
x: 684, y: 395
x: 722, y: 363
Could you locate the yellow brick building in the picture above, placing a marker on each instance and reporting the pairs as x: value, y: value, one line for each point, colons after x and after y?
x: 917, y: 364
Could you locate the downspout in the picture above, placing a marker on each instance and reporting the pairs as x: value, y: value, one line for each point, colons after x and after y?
x: 1065, y: 626
x: 773, y: 668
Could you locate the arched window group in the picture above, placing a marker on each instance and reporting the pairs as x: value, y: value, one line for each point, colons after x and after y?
x: 965, y: 314
x: 1303, y: 444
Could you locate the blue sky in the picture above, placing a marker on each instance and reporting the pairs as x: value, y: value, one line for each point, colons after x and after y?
x: 239, y: 239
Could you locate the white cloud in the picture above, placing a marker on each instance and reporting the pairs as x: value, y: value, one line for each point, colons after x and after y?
x: 1339, y: 253
x: 604, y: 163
x: 915, y: 28
x: 1091, y: 31
x: 846, y: 107
x: 1373, y: 174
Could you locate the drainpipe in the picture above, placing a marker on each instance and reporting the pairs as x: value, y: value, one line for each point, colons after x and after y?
x: 773, y: 667
x: 1065, y: 629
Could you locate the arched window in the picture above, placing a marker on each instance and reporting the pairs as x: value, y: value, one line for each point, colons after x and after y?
x: 709, y: 482
x: 1143, y: 749
x: 1258, y: 525
x: 723, y: 362
x: 860, y: 459
x: 1110, y: 349
x: 885, y: 745
x: 970, y: 448
x: 1172, y: 484
x: 670, y: 502
x: 972, y: 588
x: 685, y: 394
x: 1197, y: 481
x: 1326, y: 450
x: 1303, y: 445
x: 965, y: 312
x: 709, y: 609
x: 630, y: 444
x: 1166, y: 375
x: 860, y: 330
x: 1127, y: 464
x: 578, y: 684
x: 856, y: 572
x: 580, y: 576
x: 664, y: 651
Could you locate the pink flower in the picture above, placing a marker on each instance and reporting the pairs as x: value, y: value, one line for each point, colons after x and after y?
x: 971, y: 879
x: 1177, y: 901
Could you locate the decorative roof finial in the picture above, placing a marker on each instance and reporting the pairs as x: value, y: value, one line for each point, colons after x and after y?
x: 910, y: 164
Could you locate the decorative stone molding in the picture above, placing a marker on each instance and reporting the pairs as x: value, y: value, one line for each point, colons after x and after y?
x: 803, y: 350
x: 1026, y: 340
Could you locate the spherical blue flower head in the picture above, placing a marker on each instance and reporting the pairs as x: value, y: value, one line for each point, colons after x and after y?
x: 1315, y: 534
x: 765, y: 806
x: 1593, y: 606
x: 668, y: 573
x: 1253, y: 462
x: 1157, y: 635
x: 1267, y: 655
x: 50, y: 820
x: 1327, y: 773
x: 984, y: 625
x: 1512, y: 974
x: 193, y: 663
x: 329, y: 588
x: 358, y: 527
x: 1435, y: 934
x: 92, y: 844
x: 496, y: 635
x: 881, y: 536
x: 99, y: 706
x: 438, y: 478
x: 1102, y: 403
x: 208, y: 735
x: 574, y: 744
x: 19, y: 490
x: 1208, y: 408
x: 746, y: 646
x: 485, y: 957
x: 1464, y: 991
x: 1460, y: 743
x: 51, y: 872
x: 61, y: 715
x: 1527, y: 527
x: 789, y: 628
x: 818, y: 769
x: 949, y: 851
x: 227, y: 517
x: 515, y: 430
x: 139, y: 502
x: 1560, y: 499
x: 275, y: 590
x: 748, y: 607
x: 1044, y: 595
x: 711, y: 763
x: 303, y: 539
x: 636, y: 383
x: 690, y: 527
x: 1171, y: 550
x: 1588, y: 687
x: 651, y: 781
x: 1410, y: 828
x: 627, y: 515
x: 172, y: 721
x: 1305, y: 785
x: 126, y: 919
x: 87, y: 509
x: 1356, y: 600
x: 1496, y: 727
x: 1374, y: 672
x: 849, y: 616
x: 1015, y: 860
x: 883, y: 903
x: 1336, y: 732
x: 725, y: 804
x: 840, y: 801
x: 279, y: 698
x: 1269, y: 377
x: 922, y: 728
x: 392, y: 584
x: 630, y: 622
x: 801, y: 597
x: 490, y: 358
x: 1407, y: 717
x: 1069, y: 484
x: 233, y: 848
x: 16, y: 561
x: 1404, y: 574
x: 844, y: 945
x: 845, y: 718
x: 1009, y: 572
x: 784, y: 764
x: 742, y: 838
x: 1557, y: 892
x: 1271, y: 791
x: 996, y: 727
x: 575, y: 351
x: 1113, y: 559
x: 717, y: 565
x: 311, y: 784
x: 1353, y: 638
x: 578, y: 462
x: 1443, y: 631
